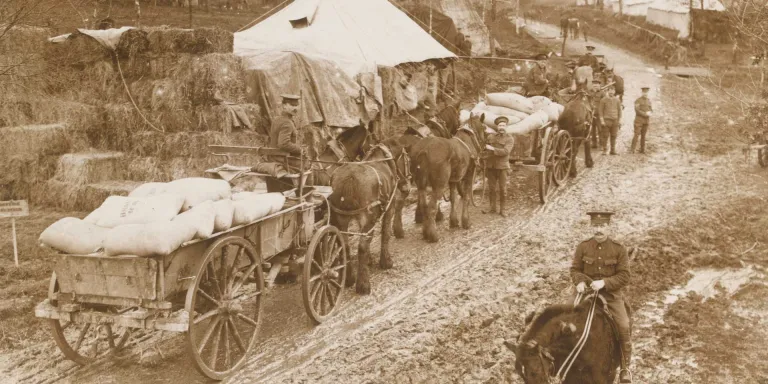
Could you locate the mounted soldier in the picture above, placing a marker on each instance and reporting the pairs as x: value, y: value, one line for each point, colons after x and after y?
x: 536, y: 83
x: 498, y: 146
x: 603, y: 263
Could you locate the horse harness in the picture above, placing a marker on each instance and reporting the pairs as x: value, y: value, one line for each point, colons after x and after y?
x: 398, y: 176
x: 473, y: 156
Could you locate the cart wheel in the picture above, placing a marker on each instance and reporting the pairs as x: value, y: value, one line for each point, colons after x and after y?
x: 546, y: 184
x: 85, y: 343
x: 224, y: 311
x: 762, y: 157
x: 325, y: 272
x: 562, y: 151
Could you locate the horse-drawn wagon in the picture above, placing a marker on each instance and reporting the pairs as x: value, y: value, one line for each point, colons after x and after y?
x: 212, y: 289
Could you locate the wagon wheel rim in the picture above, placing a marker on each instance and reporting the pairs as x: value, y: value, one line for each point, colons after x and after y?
x: 325, y: 273
x: 224, y: 304
x: 85, y: 343
x: 563, y: 152
x: 545, y: 177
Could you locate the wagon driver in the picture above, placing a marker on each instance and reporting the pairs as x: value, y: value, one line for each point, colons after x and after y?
x: 497, y: 148
x: 536, y: 83
x: 603, y: 263
x: 283, y: 134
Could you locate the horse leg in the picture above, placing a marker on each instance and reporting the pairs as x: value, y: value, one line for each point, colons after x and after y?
x: 343, y: 225
x: 439, y: 217
x: 363, y: 286
x: 424, y: 208
x: 465, y: 192
x: 454, y: 222
x: 398, y: 219
x: 418, y: 217
x: 588, y: 156
x: 430, y: 228
x: 385, y: 258
x: 574, y: 155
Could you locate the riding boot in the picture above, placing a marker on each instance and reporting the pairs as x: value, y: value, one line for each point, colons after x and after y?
x: 502, y: 201
x: 492, y: 195
x: 625, y: 376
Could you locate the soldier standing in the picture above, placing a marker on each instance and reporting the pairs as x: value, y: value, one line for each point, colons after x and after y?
x: 498, y: 146
x: 643, y: 112
x: 609, y: 112
x: 589, y: 60
x: 603, y: 263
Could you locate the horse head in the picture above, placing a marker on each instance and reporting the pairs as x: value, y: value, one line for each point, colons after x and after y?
x: 477, y: 128
x: 355, y: 141
x: 396, y: 158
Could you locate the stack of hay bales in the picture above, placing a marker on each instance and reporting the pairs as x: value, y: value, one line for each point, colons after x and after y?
x: 158, y: 218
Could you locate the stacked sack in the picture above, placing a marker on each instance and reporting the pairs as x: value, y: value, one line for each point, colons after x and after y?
x: 157, y: 218
x: 524, y: 114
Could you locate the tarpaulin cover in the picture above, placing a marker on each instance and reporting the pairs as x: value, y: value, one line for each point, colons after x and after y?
x: 358, y: 35
x: 107, y: 37
x: 327, y: 93
x: 443, y: 28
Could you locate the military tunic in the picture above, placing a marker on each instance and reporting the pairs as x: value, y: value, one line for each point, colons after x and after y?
x: 605, y: 261
x: 499, y: 157
x: 536, y: 81
x: 589, y: 61
x: 283, y: 135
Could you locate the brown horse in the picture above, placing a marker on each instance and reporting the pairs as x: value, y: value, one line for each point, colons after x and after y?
x: 442, y: 163
x: 350, y: 145
x: 577, y: 120
x: 365, y: 192
x: 551, y: 336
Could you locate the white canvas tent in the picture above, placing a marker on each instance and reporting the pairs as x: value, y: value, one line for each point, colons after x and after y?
x: 675, y: 14
x: 632, y: 7
x: 328, y: 51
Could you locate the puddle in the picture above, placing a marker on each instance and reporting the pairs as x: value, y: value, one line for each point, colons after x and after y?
x: 704, y: 282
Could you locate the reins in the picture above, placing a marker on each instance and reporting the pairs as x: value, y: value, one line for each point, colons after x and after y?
x: 563, y: 371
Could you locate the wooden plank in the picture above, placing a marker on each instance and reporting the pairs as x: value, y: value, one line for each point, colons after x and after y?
x: 263, y: 151
x: 105, y: 276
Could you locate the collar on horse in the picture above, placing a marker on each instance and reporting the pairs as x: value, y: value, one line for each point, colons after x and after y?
x: 472, y: 133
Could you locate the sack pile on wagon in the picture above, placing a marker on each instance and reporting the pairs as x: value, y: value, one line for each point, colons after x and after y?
x: 525, y: 114
x: 157, y: 218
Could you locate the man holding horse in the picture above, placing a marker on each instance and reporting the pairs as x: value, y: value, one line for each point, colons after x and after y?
x: 603, y: 263
x: 497, y: 148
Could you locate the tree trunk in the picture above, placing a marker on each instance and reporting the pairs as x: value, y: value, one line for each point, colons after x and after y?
x: 138, y: 14
x: 621, y: 7
x: 490, y: 27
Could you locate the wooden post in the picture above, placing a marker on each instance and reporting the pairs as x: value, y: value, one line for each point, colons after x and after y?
x: 517, y: 17
x: 189, y: 2
x: 430, y: 17
x: 15, y: 248
x: 138, y: 14
x: 490, y: 27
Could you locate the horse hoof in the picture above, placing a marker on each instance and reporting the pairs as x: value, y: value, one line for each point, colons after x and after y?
x: 386, y: 263
x: 418, y: 219
x: 466, y: 225
x: 363, y: 288
x: 454, y: 223
x: 399, y: 234
x: 590, y: 165
x: 431, y: 238
x: 439, y: 217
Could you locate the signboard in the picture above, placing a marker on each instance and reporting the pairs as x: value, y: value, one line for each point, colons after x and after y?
x: 14, y: 208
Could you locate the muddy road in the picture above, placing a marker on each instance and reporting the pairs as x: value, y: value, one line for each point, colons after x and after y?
x: 442, y: 314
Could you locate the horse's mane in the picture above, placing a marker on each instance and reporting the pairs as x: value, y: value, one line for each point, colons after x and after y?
x: 542, y: 319
x: 348, y: 134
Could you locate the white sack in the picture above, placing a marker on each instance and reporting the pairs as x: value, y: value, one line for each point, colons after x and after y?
x: 74, y: 236
x: 256, y: 207
x: 149, y: 189
x: 199, y: 189
x: 201, y: 217
x: 245, y: 195
x: 499, y: 111
x: 510, y: 100
x: 156, y: 238
x: 464, y: 116
x: 535, y: 121
x: 540, y: 102
x: 119, y: 210
x: 225, y: 210
x: 553, y: 111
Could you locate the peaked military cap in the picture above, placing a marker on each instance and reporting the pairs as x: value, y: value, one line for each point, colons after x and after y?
x: 288, y: 96
x: 541, y: 56
x: 500, y: 119
x: 645, y: 88
x: 590, y: 48
x: 599, y: 217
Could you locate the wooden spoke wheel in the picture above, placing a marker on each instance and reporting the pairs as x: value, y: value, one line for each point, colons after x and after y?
x: 85, y: 343
x: 224, y: 306
x: 325, y: 272
x: 762, y: 157
x: 546, y: 183
x: 563, y: 148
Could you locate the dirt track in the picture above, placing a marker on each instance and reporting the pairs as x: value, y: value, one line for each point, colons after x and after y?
x: 442, y: 313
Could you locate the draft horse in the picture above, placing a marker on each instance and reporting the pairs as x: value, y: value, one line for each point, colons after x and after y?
x: 365, y: 192
x: 349, y: 145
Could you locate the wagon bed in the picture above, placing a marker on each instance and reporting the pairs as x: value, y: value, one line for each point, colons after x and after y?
x: 211, y: 289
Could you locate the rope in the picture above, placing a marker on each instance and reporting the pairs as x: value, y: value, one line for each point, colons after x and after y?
x: 256, y: 20
x: 128, y: 91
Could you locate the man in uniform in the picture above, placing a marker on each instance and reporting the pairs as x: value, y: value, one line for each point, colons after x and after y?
x: 643, y: 112
x: 609, y: 113
x: 589, y: 60
x: 283, y: 134
x: 536, y: 82
x: 618, y: 83
x: 603, y: 263
x: 498, y: 146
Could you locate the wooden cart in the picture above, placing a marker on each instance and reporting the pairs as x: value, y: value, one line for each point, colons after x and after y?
x: 546, y: 150
x: 211, y: 289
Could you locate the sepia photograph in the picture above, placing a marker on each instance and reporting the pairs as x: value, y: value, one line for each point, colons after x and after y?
x: 383, y: 191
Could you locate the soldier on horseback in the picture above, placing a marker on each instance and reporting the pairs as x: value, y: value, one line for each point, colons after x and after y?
x: 589, y: 60
x: 603, y: 263
x: 498, y: 146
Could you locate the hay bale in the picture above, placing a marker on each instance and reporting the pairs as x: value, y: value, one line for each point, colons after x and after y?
x: 187, y: 144
x: 133, y: 43
x: 166, y: 94
x: 164, y: 40
x: 212, y: 75
x: 34, y: 140
x: 68, y: 196
x: 24, y: 39
x: 87, y: 168
x: 20, y: 111
x: 22, y: 174
x: 78, y: 50
x: 91, y: 84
